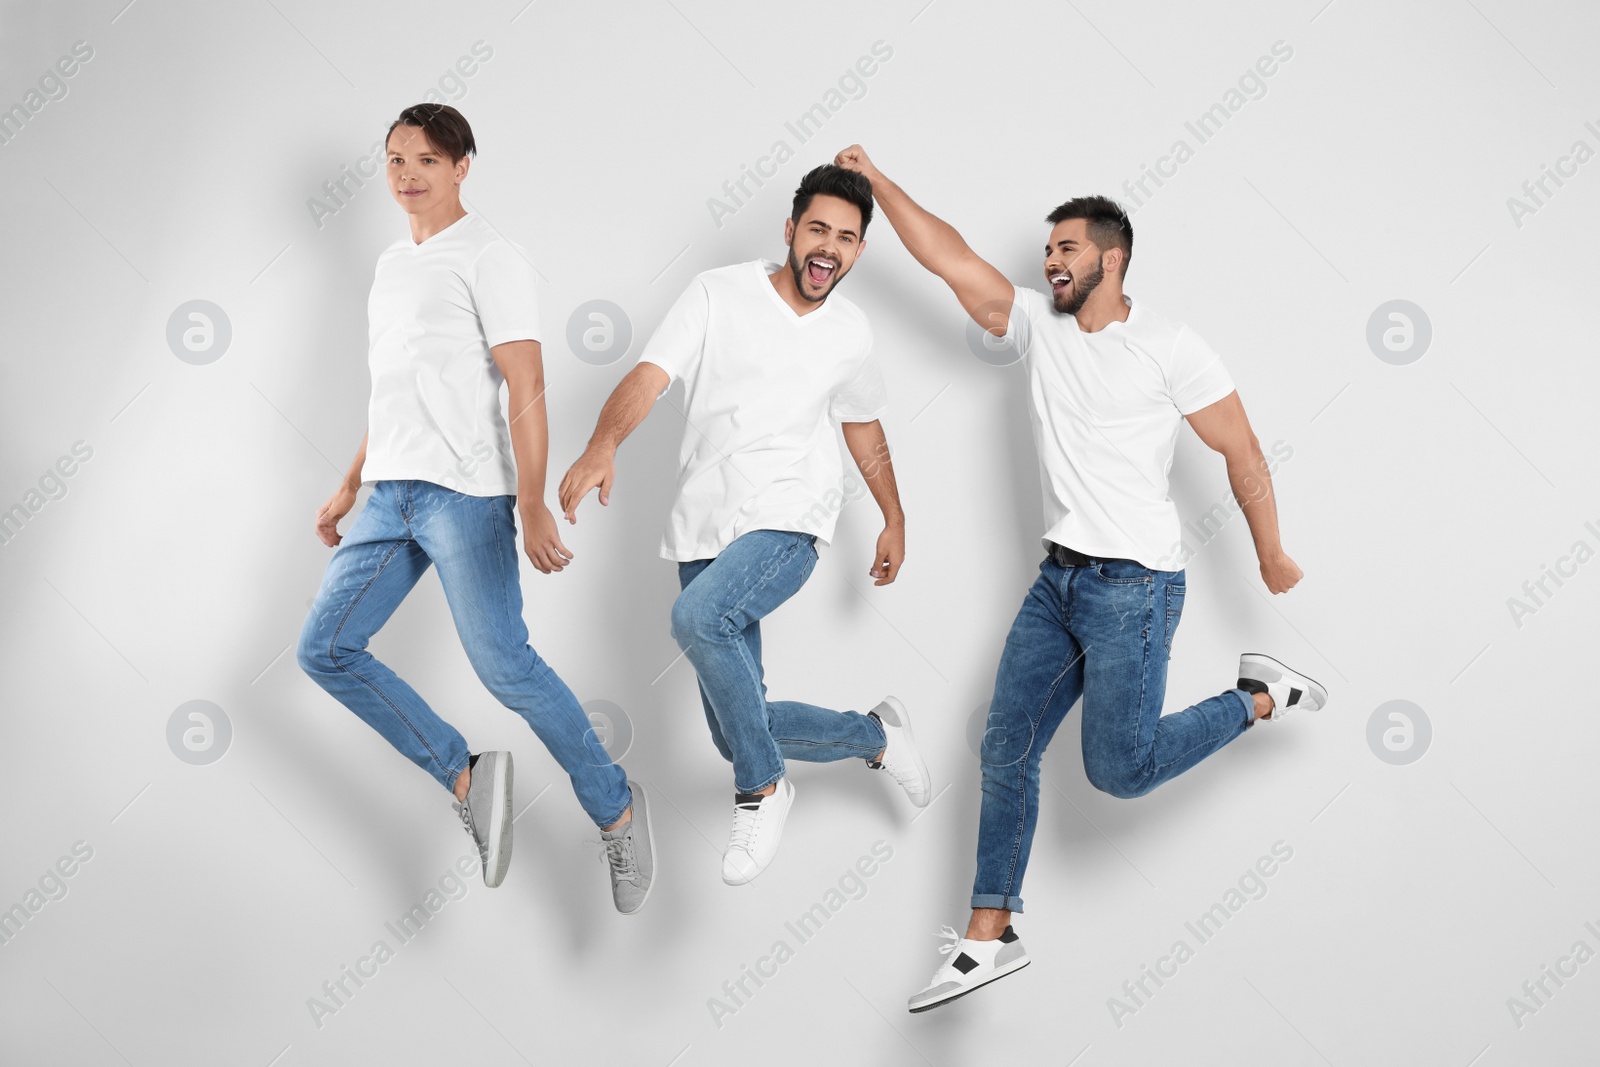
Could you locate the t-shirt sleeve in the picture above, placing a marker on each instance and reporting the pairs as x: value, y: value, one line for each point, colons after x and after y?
x: 1025, y: 305
x: 864, y: 397
x: 502, y: 285
x: 678, y: 344
x: 1196, y: 377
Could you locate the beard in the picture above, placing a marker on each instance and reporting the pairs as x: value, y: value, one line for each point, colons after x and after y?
x: 1082, y: 287
x: 800, y: 279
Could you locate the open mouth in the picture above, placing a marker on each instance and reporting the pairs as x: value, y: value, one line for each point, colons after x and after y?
x: 819, y: 271
x: 1059, y: 282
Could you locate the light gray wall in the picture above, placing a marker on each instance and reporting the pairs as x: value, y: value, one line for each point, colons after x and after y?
x: 1374, y: 165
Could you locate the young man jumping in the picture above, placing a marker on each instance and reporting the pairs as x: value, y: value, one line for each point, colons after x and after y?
x: 1109, y: 383
x: 453, y: 316
x: 770, y: 361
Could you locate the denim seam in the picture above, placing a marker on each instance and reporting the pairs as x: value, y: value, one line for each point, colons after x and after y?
x: 1022, y: 765
x: 1144, y: 681
x: 737, y: 636
x: 333, y: 642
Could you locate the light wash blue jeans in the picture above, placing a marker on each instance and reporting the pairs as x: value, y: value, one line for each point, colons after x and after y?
x: 716, y: 620
x: 1102, y: 630
x: 404, y: 527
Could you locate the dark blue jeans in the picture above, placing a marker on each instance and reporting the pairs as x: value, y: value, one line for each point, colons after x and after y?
x: 1102, y: 630
x: 716, y: 620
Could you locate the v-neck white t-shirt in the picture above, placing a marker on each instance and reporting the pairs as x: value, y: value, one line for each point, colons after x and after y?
x: 764, y: 387
x: 435, y: 311
x: 1106, y: 409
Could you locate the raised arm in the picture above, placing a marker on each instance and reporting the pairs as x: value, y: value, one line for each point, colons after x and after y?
x: 982, y: 290
x: 1224, y: 428
x: 624, y: 410
x: 870, y: 449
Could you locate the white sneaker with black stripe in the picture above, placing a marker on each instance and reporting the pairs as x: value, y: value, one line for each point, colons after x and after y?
x: 970, y: 964
x: 757, y: 829
x: 1288, y: 689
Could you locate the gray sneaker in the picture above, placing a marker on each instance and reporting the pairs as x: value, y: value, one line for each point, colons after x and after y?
x: 487, y: 813
x: 631, y: 854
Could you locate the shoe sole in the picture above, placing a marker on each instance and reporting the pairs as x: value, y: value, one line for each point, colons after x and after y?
x: 767, y: 864
x: 1317, y: 688
x: 1010, y: 968
x: 499, y: 835
x: 650, y: 840
x: 922, y: 764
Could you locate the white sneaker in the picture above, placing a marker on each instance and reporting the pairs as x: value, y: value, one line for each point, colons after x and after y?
x: 970, y: 964
x: 1288, y: 689
x: 757, y: 828
x: 900, y: 756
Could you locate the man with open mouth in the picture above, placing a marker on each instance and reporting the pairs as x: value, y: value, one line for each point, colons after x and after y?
x: 1109, y: 383
x: 453, y: 317
x: 770, y: 360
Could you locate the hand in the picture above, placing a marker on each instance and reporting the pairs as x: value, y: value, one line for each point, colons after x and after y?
x: 891, y: 552
x: 1280, y: 573
x: 855, y: 158
x: 541, y: 541
x: 594, y: 468
x: 328, y: 516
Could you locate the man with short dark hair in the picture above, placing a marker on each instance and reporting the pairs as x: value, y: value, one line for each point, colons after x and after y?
x: 770, y: 360
x: 453, y: 317
x: 1109, y: 384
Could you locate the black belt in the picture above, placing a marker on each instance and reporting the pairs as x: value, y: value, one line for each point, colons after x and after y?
x: 1063, y: 556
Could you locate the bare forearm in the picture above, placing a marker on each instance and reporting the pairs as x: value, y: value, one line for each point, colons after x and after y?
x: 1252, y: 488
x: 624, y: 410
x: 352, y: 477
x: 870, y: 450
x: 530, y: 439
x: 931, y: 241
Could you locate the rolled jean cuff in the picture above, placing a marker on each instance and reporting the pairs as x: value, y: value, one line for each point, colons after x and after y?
x: 1249, y: 703
x: 770, y: 781
x: 996, y: 900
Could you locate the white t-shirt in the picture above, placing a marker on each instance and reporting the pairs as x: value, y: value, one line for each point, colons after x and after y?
x: 764, y: 387
x: 435, y: 311
x: 1106, y: 409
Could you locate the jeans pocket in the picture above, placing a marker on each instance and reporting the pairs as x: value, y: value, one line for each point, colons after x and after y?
x: 1174, y: 612
x: 1122, y: 572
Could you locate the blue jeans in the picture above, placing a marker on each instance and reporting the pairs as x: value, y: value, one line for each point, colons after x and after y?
x: 716, y: 620
x: 405, y: 526
x: 1102, y: 630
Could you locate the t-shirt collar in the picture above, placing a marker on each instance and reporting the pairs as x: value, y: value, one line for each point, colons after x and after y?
x: 418, y: 244
x: 766, y: 269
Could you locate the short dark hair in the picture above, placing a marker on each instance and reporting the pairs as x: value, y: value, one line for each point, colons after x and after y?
x: 832, y: 180
x: 447, y: 130
x: 1107, y: 225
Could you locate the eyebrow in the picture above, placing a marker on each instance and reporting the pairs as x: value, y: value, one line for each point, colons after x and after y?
x: 825, y: 226
x: 1064, y: 241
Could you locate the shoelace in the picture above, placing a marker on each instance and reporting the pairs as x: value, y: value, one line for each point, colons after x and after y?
x: 900, y: 772
x: 619, y: 853
x: 949, y: 934
x: 746, y: 820
x: 472, y: 832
